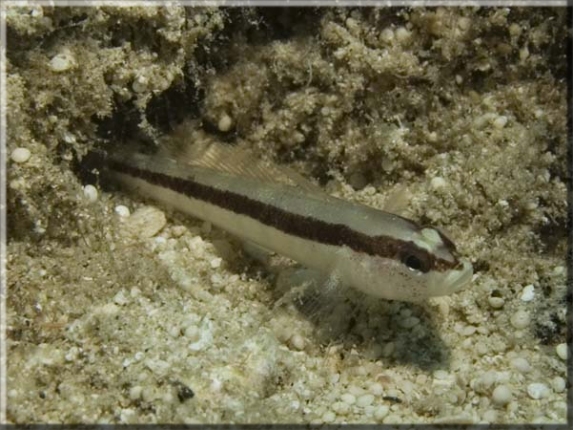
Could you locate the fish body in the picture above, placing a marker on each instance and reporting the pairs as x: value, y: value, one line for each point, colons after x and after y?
x: 379, y: 253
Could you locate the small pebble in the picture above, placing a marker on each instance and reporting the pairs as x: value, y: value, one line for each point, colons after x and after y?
x: 441, y: 374
x: 559, y: 384
x: 341, y: 408
x: 438, y: 182
x: 364, y: 400
x: 62, y: 62
x: 369, y: 410
x: 500, y: 122
x: 559, y: 270
x: 192, y: 332
x: 561, y: 351
x: 468, y: 330
x: 528, y: 293
x: 538, y: 390
x: 520, y: 320
x: 374, y: 352
x: 298, y: 137
x: 173, y: 331
x: 464, y: 23
x: 376, y: 389
x: 358, y: 181
x: 69, y: 138
x: 20, y: 155
x: 217, y: 280
x: 356, y: 391
x: 394, y: 419
x: 145, y: 222
x: 135, y: 392
x: 72, y: 354
x: 216, y: 262
x: 387, y: 35
x: 225, y: 123
x: 485, y: 382
x: 531, y: 206
x: 496, y: 302
x: 388, y: 349
x: 501, y: 395
x: 328, y: 417
x: 122, y: 211
x: 402, y: 34
x: 409, y: 322
x: 160, y: 240
x: 481, y: 121
x: 139, y: 84
x: 297, y: 342
x: 90, y: 193
x: 348, y: 398
x: 490, y: 416
x: 393, y: 394
x: 120, y: 298
x: 381, y: 412
x: 515, y: 30
x: 521, y: 364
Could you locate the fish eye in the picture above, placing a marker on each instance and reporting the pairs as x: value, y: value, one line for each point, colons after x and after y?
x: 415, y: 262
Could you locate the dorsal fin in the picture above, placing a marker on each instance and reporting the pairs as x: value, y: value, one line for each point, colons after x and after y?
x: 191, y: 146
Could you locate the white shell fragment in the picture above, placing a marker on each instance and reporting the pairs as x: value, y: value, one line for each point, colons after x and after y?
x: 438, y: 182
x: 139, y: 84
x: 62, y: 62
x: 381, y: 412
x: 20, y: 155
x: 528, y: 293
x: 520, y: 320
x: 496, y: 302
x: 145, y: 222
x: 348, y: 398
x: 122, y: 211
x: 561, y: 351
x: 225, y: 123
x: 501, y: 395
x: 521, y: 364
x: 216, y: 262
x: 364, y: 400
x: 402, y: 34
x: 297, y: 342
x: 90, y: 193
x: 558, y: 384
x: 538, y: 390
x: 500, y: 122
x: 387, y: 35
x: 328, y: 417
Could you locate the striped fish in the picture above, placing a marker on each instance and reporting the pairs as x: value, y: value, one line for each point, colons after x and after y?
x: 379, y: 253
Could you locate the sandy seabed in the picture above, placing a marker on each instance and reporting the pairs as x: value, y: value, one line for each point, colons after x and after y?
x: 123, y: 311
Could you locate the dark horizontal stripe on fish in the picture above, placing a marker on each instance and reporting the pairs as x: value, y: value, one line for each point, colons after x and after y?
x: 294, y: 224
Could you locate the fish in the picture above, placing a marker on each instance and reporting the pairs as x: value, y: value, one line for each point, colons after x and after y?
x: 379, y: 253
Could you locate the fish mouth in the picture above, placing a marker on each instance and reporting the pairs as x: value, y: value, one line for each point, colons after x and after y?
x: 458, y: 279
